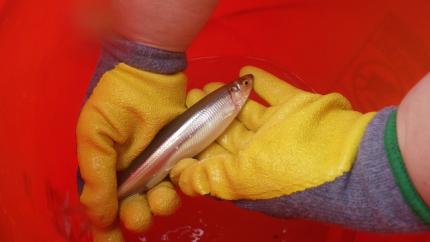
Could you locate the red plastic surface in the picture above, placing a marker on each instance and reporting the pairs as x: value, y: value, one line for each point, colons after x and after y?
x: 371, y: 51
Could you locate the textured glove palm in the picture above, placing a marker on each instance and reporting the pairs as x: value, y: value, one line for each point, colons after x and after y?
x: 302, y: 140
x: 120, y: 118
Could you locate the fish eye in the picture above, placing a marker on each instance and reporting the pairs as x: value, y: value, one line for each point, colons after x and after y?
x: 246, y: 82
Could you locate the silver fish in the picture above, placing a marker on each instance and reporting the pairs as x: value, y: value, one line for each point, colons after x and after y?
x: 186, y: 136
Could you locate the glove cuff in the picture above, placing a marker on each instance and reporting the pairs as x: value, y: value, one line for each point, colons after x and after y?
x: 118, y: 50
x: 401, y: 176
x: 144, y: 57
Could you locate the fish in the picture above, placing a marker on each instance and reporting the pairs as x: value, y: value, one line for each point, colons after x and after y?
x: 185, y: 136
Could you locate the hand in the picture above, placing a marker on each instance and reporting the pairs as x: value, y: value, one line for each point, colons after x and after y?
x: 123, y: 114
x: 413, y: 132
x: 168, y: 25
x: 302, y: 140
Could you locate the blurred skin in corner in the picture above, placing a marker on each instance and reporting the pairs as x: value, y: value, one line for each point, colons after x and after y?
x: 168, y: 25
x: 413, y: 132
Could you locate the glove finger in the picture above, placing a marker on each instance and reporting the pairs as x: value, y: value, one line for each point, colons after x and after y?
x: 135, y: 213
x: 110, y: 234
x: 252, y: 115
x: 193, y: 181
x: 235, y: 137
x: 210, y: 176
x: 272, y: 89
x: 176, y: 171
x: 210, y: 87
x: 194, y: 96
x: 163, y: 199
x: 97, y: 164
x: 213, y: 150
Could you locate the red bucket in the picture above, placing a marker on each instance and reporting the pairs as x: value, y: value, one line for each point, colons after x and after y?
x: 370, y: 51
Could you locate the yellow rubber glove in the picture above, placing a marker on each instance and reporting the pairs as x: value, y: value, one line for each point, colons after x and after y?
x: 125, y: 111
x: 301, y: 141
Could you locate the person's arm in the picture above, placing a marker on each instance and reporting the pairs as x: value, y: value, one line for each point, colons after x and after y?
x: 312, y: 156
x: 140, y: 68
x: 169, y: 25
x: 413, y: 127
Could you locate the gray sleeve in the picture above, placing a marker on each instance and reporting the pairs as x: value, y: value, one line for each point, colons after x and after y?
x: 118, y: 50
x: 366, y: 198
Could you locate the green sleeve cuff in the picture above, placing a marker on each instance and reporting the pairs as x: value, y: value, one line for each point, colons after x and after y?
x: 403, y: 181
